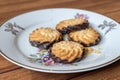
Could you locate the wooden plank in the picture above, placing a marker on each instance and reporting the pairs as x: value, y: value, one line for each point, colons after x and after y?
x: 34, y: 4
x: 49, y: 4
x: 11, y: 2
x: 114, y: 15
x: 111, y: 72
x: 6, y: 65
x: 24, y: 74
x: 13, y: 10
x: 106, y: 8
x: 94, y: 5
x: 75, y: 4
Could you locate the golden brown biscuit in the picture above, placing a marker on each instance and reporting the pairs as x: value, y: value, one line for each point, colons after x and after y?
x: 44, y: 37
x: 87, y: 37
x: 69, y: 25
x: 67, y: 51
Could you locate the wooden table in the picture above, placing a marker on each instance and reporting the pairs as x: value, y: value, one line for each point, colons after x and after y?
x: 11, y: 8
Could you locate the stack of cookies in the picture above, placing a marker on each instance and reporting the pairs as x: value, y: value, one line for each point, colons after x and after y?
x: 80, y: 35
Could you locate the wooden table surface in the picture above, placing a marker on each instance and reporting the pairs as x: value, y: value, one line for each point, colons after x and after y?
x: 11, y: 8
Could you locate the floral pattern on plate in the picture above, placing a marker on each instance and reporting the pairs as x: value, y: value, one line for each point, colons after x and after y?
x: 13, y: 28
x: 85, y: 16
x: 109, y: 25
x: 42, y: 57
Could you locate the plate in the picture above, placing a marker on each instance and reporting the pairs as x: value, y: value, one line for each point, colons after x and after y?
x: 15, y: 46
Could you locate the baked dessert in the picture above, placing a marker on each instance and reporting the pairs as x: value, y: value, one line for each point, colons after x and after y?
x: 66, y: 52
x: 69, y: 25
x: 87, y: 37
x: 44, y: 37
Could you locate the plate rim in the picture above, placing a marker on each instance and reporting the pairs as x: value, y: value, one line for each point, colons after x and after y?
x: 57, y: 71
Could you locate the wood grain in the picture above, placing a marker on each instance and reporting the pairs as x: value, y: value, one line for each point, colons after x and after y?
x: 62, y: 3
x: 114, y: 15
x: 106, y: 7
x: 94, y: 6
x: 9, y: 2
x: 6, y: 65
x: 11, y: 8
x: 22, y: 74
x: 111, y: 72
x: 33, y: 4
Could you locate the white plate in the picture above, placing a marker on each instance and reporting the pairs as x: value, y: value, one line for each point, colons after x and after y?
x: 15, y: 46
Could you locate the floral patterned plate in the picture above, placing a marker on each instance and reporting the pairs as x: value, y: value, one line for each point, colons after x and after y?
x: 15, y: 46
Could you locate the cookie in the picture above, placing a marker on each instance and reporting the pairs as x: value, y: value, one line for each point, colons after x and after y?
x: 66, y: 52
x: 87, y: 37
x: 69, y: 25
x: 44, y: 37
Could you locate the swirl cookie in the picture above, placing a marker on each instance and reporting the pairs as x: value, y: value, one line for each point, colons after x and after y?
x: 69, y: 25
x: 87, y: 37
x: 44, y: 37
x: 66, y: 52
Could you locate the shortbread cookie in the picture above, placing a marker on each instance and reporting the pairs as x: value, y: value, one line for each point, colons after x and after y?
x: 44, y: 37
x: 87, y: 37
x: 69, y: 25
x: 67, y: 52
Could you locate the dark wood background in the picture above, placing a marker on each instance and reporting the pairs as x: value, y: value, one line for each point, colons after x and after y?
x: 11, y: 8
